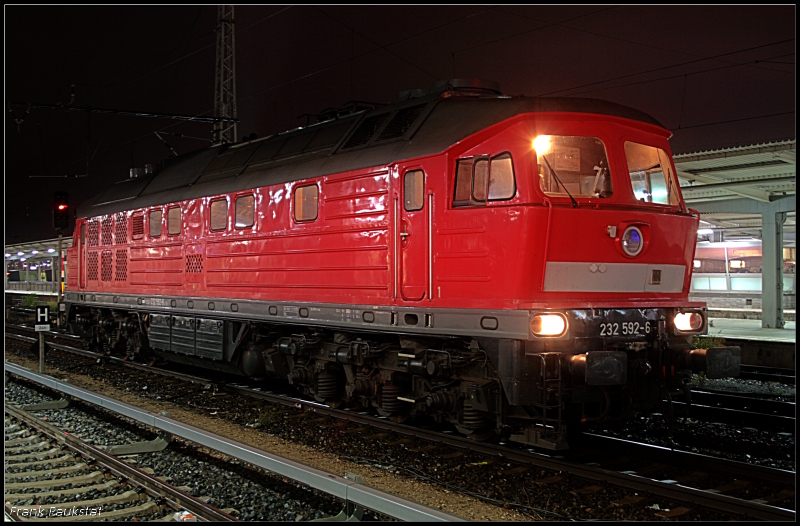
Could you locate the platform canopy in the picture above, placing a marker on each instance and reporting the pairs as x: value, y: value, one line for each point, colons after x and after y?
x: 730, y: 178
x: 44, y: 249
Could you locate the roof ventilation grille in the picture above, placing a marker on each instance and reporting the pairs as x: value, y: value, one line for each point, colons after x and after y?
x: 365, y: 131
x: 401, y: 122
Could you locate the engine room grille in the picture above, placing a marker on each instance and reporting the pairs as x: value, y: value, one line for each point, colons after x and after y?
x: 121, y: 273
x: 120, y: 229
x: 93, y: 233
x: 138, y: 226
x: 105, y: 265
x: 401, y: 122
x: 365, y: 131
x: 91, y: 266
x: 194, y: 263
x: 108, y: 226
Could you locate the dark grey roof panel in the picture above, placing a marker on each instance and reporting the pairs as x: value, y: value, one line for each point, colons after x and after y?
x: 182, y: 171
x: 123, y: 190
x: 451, y: 120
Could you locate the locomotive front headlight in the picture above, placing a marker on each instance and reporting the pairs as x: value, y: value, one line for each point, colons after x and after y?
x: 632, y: 241
x: 548, y: 324
x: 689, y: 321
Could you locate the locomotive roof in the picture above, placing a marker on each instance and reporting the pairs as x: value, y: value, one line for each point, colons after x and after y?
x: 411, y: 128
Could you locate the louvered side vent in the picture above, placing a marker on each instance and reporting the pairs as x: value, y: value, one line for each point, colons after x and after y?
x: 91, y: 266
x: 138, y: 226
x: 120, y: 229
x: 94, y: 228
x: 365, y: 131
x: 401, y: 122
x: 121, y: 273
x: 194, y: 263
x: 105, y: 265
x: 107, y: 228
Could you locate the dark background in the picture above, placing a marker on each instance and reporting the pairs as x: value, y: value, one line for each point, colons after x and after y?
x: 716, y: 76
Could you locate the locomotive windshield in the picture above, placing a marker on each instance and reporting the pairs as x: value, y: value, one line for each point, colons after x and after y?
x: 651, y: 174
x: 573, y: 165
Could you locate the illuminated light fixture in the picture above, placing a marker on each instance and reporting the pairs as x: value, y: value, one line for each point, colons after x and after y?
x: 20, y: 253
x: 8, y: 255
x: 632, y: 241
x: 697, y: 263
x: 50, y: 250
x: 548, y: 325
x: 62, y: 207
x: 542, y: 144
x: 705, y: 232
x: 689, y: 321
x: 34, y: 251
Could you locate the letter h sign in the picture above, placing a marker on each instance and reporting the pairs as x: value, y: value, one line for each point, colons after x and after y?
x: 42, y: 318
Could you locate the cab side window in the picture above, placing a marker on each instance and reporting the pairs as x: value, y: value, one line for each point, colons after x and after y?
x: 414, y: 190
x: 483, y: 179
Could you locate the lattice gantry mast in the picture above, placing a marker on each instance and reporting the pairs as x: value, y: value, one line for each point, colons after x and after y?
x: 225, y: 81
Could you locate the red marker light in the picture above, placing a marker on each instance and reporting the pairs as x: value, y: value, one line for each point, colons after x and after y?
x: 62, y: 207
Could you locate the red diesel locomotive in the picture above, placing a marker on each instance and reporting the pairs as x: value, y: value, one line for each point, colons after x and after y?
x: 507, y: 264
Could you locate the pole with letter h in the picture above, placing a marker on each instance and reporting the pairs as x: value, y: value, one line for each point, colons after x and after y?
x: 42, y: 325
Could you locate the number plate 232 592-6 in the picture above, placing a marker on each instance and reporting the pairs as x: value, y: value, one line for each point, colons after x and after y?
x: 625, y: 328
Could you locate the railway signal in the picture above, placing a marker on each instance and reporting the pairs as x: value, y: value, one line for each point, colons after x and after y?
x: 60, y: 210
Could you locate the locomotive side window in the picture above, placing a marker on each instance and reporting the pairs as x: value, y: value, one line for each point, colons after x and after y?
x: 174, y: 221
x: 155, y: 223
x: 651, y: 174
x: 573, y: 165
x: 501, y: 179
x: 479, y: 179
x: 219, y: 214
x: 245, y: 211
x: 480, y: 174
x: 463, y: 182
x: 306, y: 202
x: 414, y: 190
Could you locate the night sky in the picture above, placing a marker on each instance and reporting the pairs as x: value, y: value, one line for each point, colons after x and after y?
x: 716, y: 76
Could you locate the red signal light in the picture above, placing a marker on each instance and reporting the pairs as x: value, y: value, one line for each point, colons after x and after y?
x: 62, y: 207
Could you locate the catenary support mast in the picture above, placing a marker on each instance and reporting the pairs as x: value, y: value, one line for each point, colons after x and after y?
x: 225, y: 78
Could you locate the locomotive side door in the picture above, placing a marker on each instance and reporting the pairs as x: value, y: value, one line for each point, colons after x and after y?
x: 413, y: 235
x: 82, y: 256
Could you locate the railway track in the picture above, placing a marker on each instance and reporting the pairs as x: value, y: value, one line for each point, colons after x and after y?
x: 49, y: 474
x: 740, y: 409
x: 767, y: 374
x: 713, y: 482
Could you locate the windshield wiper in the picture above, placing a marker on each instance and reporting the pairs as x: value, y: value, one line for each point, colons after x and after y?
x: 574, y: 202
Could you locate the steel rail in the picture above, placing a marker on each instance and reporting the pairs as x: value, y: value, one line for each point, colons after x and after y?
x: 334, y: 485
x: 152, y: 485
x: 631, y: 481
x: 634, y: 482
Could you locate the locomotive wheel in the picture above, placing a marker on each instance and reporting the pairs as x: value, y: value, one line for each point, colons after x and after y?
x: 478, y: 436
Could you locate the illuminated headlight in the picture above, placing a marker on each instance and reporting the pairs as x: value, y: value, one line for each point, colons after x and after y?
x: 632, y: 241
x: 548, y: 325
x: 689, y: 322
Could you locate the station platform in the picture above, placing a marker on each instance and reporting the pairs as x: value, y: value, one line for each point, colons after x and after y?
x: 751, y: 330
